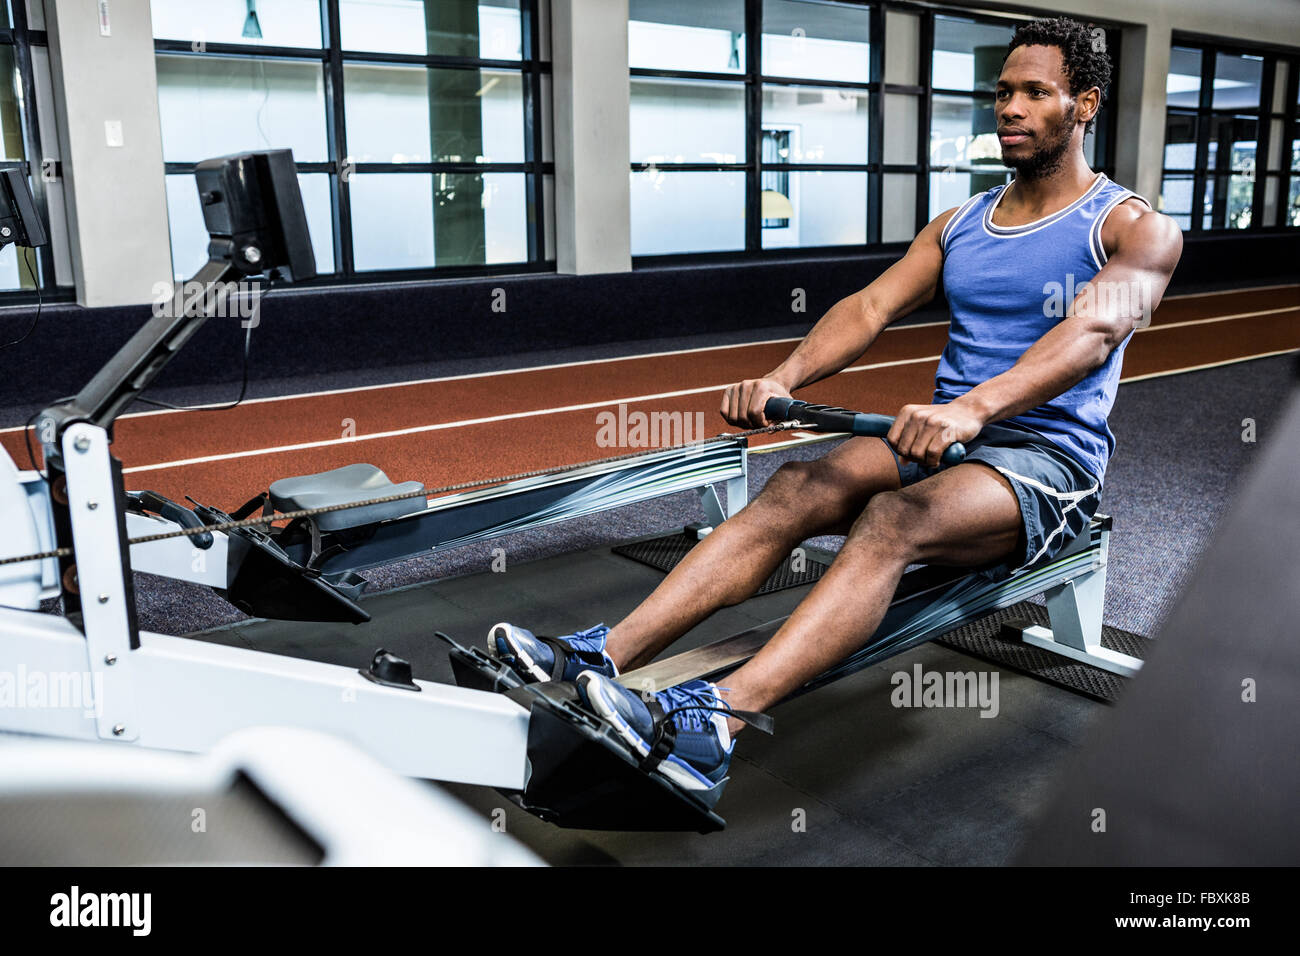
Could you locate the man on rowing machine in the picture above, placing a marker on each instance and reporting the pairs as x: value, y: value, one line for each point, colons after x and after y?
x: 1026, y: 387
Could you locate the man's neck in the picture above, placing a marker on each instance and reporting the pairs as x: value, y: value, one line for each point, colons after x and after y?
x: 1058, y: 188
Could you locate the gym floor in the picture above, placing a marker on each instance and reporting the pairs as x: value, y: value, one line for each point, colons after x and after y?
x: 870, y: 783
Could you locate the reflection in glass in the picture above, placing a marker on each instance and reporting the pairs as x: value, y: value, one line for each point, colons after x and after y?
x: 824, y: 209
x: 830, y: 125
x: 702, y: 37
x: 1183, y: 85
x: 394, y: 113
x: 1232, y: 143
x: 967, y: 55
x: 11, y: 121
x: 482, y: 29
x: 1176, y: 199
x: 816, y: 41
x: 1180, y: 141
x: 686, y: 121
x: 1237, y: 82
x: 212, y: 106
x: 687, y: 211
x: 419, y: 220
x: 294, y: 23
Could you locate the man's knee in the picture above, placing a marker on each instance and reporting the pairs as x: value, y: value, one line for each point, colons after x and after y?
x: 895, y: 520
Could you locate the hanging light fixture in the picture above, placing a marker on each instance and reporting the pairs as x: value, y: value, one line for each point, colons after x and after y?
x: 252, y: 28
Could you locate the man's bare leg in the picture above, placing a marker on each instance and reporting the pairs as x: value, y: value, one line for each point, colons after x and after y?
x: 966, y: 515
x: 800, y: 501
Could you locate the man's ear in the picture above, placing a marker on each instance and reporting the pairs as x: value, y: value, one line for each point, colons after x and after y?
x: 1089, y: 103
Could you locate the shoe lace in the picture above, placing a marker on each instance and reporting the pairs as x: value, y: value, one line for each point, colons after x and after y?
x: 690, y: 709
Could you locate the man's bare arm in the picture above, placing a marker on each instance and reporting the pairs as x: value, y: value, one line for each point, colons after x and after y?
x: 1129, y: 286
x: 848, y: 328
x: 1147, y: 248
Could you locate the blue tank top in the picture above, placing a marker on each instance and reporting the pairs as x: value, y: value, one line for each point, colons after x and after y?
x: 1007, y: 286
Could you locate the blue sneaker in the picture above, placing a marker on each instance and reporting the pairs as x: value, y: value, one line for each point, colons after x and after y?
x: 538, y: 659
x: 682, y: 731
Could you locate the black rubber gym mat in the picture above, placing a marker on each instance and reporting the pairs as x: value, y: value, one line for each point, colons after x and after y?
x: 982, y: 638
x: 664, y: 553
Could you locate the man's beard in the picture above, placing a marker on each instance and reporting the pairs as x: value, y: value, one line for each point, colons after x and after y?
x: 1043, y: 162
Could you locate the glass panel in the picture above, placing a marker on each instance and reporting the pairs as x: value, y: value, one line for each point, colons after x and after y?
x: 1293, y: 211
x: 967, y: 55
x: 1241, y: 194
x: 474, y: 115
x: 19, y: 268
x: 1183, y: 86
x: 901, y: 118
x: 1207, y: 211
x: 11, y: 120
x: 1176, y: 200
x: 962, y: 134
x: 902, y: 47
x: 189, y: 238
x: 687, y: 211
x: 819, y: 209
x: 483, y: 29
x: 952, y: 188
x: 898, y: 208
x: 1295, y: 155
x: 1237, y: 81
x: 1232, y: 143
x: 687, y: 121
x: 212, y: 106
x: 418, y: 220
x: 816, y: 41
x: 265, y: 23
x: 1180, y: 141
x: 825, y: 126
x: 670, y: 35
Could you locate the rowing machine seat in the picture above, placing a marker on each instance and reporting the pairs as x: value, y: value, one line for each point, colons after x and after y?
x: 341, y: 486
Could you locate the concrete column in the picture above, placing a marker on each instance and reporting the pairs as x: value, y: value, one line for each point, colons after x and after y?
x: 592, y: 143
x: 106, y: 99
x: 1139, y: 98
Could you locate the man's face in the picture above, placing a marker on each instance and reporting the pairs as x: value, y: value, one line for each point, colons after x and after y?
x: 1036, y: 116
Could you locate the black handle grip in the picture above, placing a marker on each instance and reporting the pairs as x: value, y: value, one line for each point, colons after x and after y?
x: 829, y: 418
x: 178, y: 513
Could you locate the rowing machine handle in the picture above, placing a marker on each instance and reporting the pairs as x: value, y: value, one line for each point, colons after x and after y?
x: 828, y: 418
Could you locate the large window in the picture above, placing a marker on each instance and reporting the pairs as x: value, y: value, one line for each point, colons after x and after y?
x: 761, y: 125
x: 22, y: 271
x: 1231, y: 154
x: 420, y: 128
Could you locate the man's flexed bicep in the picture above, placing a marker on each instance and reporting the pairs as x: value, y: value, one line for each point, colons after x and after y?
x: 847, y: 328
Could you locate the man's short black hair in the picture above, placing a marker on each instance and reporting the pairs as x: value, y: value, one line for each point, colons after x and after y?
x: 1083, y: 51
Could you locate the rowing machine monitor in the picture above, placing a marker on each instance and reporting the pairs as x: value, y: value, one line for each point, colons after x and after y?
x: 829, y: 418
x: 19, y: 221
x: 253, y: 212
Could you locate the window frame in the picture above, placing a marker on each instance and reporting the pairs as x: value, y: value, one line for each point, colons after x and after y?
x: 1264, y: 116
x: 876, y: 89
x: 332, y: 59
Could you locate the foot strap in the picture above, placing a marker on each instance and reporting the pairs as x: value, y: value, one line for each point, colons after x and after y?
x: 562, y: 651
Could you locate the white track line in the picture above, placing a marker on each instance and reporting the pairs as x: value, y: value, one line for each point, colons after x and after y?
x: 647, y: 355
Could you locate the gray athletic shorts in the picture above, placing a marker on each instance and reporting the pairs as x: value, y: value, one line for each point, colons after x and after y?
x: 1057, y: 495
